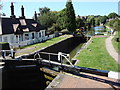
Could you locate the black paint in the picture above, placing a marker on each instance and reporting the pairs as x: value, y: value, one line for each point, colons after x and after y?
x: 65, y: 46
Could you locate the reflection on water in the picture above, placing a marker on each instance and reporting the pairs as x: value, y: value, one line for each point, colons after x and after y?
x: 99, y: 29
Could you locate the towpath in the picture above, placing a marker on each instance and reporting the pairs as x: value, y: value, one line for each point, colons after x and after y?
x: 35, y: 48
x: 111, y: 50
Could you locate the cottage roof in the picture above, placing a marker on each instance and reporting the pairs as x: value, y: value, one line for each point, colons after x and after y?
x: 18, y: 26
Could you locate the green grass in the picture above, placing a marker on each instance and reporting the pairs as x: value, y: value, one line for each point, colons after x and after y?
x: 36, y: 47
x: 3, y: 42
x: 116, y: 44
x: 96, y: 56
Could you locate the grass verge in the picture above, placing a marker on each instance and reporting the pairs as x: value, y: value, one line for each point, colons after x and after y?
x: 32, y: 48
x: 115, y: 43
x: 96, y: 56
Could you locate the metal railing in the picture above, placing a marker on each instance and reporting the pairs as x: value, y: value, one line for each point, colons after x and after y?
x: 5, y: 53
x: 60, y: 56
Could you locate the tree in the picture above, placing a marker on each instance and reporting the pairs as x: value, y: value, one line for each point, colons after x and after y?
x: 79, y: 23
x: 70, y: 17
x: 91, y: 21
x: 47, y: 19
x: 116, y: 25
x: 97, y: 21
x: 61, y: 19
x: 112, y: 15
x: 44, y: 10
x: 111, y: 22
x: 103, y: 19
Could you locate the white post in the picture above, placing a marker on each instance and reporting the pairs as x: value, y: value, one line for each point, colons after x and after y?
x: 4, y: 53
x: 12, y: 52
x: 59, y: 56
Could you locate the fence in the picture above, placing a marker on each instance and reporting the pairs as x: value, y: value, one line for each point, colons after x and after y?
x: 10, y: 53
x: 61, y: 57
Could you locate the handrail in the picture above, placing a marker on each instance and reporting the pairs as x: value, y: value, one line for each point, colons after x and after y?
x: 5, y: 51
x: 36, y: 55
x: 60, y: 54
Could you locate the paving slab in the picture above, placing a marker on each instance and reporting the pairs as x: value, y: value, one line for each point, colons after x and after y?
x: 65, y: 80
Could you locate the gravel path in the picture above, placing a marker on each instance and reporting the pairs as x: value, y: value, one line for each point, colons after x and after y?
x: 111, y: 49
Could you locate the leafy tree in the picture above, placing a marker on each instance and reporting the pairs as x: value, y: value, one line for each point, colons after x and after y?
x: 88, y: 25
x: 116, y: 25
x: 44, y: 10
x: 97, y: 21
x: 91, y: 21
x: 103, y: 19
x: 47, y: 19
x: 70, y: 17
x: 112, y: 15
x: 79, y: 22
x: 61, y: 19
x: 111, y: 22
x: 89, y: 18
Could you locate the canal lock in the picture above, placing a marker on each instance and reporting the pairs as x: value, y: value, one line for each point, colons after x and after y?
x: 18, y: 75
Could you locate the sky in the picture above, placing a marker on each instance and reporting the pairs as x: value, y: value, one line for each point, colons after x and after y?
x: 82, y: 8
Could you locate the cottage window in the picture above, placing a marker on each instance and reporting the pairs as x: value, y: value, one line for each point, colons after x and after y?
x: 26, y: 36
x: 33, y: 36
x: 40, y: 34
x: 22, y: 21
x: 43, y: 33
x: 16, y: 38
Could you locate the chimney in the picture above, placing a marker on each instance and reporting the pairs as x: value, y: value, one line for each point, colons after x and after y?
x: 35, y: 16
x: 22, y: 12
x: 12, y: 10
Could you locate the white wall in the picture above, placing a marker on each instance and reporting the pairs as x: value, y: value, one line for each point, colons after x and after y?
x: 0, y: 38
x: 8, y: 38
x: 21, y: 40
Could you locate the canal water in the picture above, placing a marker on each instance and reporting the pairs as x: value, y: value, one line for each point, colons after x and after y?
x: 99, y: 29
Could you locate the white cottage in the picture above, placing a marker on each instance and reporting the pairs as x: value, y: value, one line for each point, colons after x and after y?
x: 21, y: 31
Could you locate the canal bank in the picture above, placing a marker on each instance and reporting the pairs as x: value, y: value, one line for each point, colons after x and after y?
x: 69, y: 46
x: 97, y: 57
x: 30, y: 49
x: 31, y: 74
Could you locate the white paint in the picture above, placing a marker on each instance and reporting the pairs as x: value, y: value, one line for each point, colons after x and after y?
x: 115, y: 75
x: 22, y: 40
x: 59, y: 56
